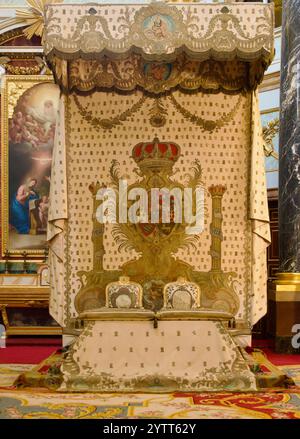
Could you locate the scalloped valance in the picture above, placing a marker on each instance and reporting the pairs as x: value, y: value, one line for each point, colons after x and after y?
x: 159, y: 46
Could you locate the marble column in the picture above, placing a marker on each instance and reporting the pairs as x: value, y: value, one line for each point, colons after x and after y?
x: 287, y: 290
x: 289, y: 139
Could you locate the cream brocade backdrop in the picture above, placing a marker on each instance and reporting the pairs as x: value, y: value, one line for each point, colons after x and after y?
x: 231, y: 155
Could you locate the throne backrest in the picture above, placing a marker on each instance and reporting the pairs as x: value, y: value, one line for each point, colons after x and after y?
x: 124, y: 294
x: 181, y: 295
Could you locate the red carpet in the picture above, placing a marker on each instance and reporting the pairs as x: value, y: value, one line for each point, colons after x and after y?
x: 25, y: 350
x: 277, y: 359
x: 281, y: 359
x: 28, y: 350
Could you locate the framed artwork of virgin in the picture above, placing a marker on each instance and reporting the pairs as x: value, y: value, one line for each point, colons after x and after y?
x: 28, y: 117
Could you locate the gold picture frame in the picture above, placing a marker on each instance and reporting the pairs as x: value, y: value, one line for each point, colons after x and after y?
x: 28, y: 108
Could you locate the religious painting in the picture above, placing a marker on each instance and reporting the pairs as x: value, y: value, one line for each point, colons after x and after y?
x: 270, y: 124
x: 29, y: 107
x: 158, y: 27
x: 157, y: 71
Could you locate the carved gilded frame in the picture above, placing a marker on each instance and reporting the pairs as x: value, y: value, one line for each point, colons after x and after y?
x: 270, y: 131
x: 13, y: 86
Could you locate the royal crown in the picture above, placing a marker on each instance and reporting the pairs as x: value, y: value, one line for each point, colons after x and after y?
x: 156, y: 155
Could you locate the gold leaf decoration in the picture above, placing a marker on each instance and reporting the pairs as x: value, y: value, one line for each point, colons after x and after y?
x: 32, y: 19
x: 206, y: 124
x: 269, y: 132
x: 108, y: 124
x: 158, y: 114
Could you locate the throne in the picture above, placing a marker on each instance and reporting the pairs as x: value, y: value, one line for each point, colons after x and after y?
x: 123, y: 302
x: 182, y: 302
x: 181, y: 295
x: 124, y: 294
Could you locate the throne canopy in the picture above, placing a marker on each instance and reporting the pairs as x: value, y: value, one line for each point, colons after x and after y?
x: 159, y: 46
